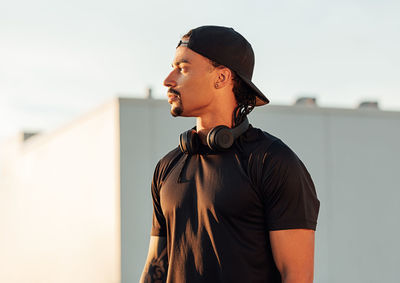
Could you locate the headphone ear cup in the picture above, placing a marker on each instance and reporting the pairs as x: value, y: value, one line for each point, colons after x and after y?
x: 220, y: 138
x: 189, y: 142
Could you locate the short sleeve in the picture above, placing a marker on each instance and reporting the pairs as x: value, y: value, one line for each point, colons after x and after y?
x: 288, y: 192
x: 158, y: 225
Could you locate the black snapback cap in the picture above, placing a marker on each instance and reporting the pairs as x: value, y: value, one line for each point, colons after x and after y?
x: 226, y: 47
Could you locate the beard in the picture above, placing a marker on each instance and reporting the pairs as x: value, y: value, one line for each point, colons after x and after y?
x: 177, y: 110
x: 176, y: 107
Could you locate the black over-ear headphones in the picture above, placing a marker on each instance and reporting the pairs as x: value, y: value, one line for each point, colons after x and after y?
x: 219, y: 138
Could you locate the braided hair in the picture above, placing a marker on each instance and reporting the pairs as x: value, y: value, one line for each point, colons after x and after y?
x: 244, y: 96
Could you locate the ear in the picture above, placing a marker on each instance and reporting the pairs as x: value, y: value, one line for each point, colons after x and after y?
x: 223, y: 77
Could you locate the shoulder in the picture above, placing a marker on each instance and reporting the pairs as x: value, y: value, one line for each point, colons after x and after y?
x: 280, y: 159
x: 166, y: 164
x: 257, y: 142
x: 254, y: 140
x: 279, y: 166
x: 267, y: 156
x: 170, y: 157
x: 281, y: 153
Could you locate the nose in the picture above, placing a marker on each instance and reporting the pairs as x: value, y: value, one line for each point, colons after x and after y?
x: 169, y: 80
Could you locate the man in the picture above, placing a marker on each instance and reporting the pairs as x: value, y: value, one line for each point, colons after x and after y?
x: 232, y: 203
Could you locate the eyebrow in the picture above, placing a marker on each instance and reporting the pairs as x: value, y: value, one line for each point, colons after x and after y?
x: 177, y: 63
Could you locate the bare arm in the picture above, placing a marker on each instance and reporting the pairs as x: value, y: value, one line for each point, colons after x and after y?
x: 293, y: 252
x: 156, y: 267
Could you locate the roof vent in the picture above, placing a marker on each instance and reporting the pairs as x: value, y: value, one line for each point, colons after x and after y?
x: 27, y: 135
x: 149, y: 93
x: 306, y: 101
x: 369, y: 105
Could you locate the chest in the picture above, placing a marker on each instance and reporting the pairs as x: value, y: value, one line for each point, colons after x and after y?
x: 214, y: 183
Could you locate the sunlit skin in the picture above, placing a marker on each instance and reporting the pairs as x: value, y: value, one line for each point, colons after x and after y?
x: 293, y: 252
x: 205, y: 92
x: 197, y: 89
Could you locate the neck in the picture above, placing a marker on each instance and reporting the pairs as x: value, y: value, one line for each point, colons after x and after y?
x: 216, y: 115
x: 205, y: 124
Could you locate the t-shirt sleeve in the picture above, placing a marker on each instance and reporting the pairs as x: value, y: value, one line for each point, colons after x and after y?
x: 158, y: 224
x: 289, y: 196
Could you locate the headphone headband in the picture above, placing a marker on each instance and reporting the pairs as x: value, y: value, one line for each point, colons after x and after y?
x: 240, y: 129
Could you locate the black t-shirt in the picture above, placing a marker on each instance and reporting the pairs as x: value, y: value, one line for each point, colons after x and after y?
x: 216, y: 208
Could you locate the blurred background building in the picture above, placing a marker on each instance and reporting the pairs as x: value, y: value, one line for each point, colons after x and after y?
x: 75, y: 203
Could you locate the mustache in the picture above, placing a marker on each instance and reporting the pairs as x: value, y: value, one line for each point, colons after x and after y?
x: 171, y: 90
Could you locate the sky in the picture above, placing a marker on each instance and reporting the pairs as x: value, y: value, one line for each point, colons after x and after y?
x: 60, y: 59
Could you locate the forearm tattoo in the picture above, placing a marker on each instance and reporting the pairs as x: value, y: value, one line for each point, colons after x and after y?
x: 158, y: 268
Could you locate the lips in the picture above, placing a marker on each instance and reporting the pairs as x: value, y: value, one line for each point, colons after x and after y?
x: 173, y: 95
x: 173, y: 98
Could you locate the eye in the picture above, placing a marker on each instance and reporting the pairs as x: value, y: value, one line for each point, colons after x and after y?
x: 182, y: 69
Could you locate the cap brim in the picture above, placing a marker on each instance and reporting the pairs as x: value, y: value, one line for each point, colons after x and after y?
x: 261, y: 99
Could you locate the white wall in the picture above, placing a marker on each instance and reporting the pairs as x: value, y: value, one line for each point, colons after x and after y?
x: 59, y: 204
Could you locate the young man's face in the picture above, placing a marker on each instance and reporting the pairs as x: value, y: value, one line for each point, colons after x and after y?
x: 190, y: 84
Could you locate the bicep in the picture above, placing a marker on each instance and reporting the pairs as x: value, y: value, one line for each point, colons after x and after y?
x: 156, y: 246
x: 293, y: 252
